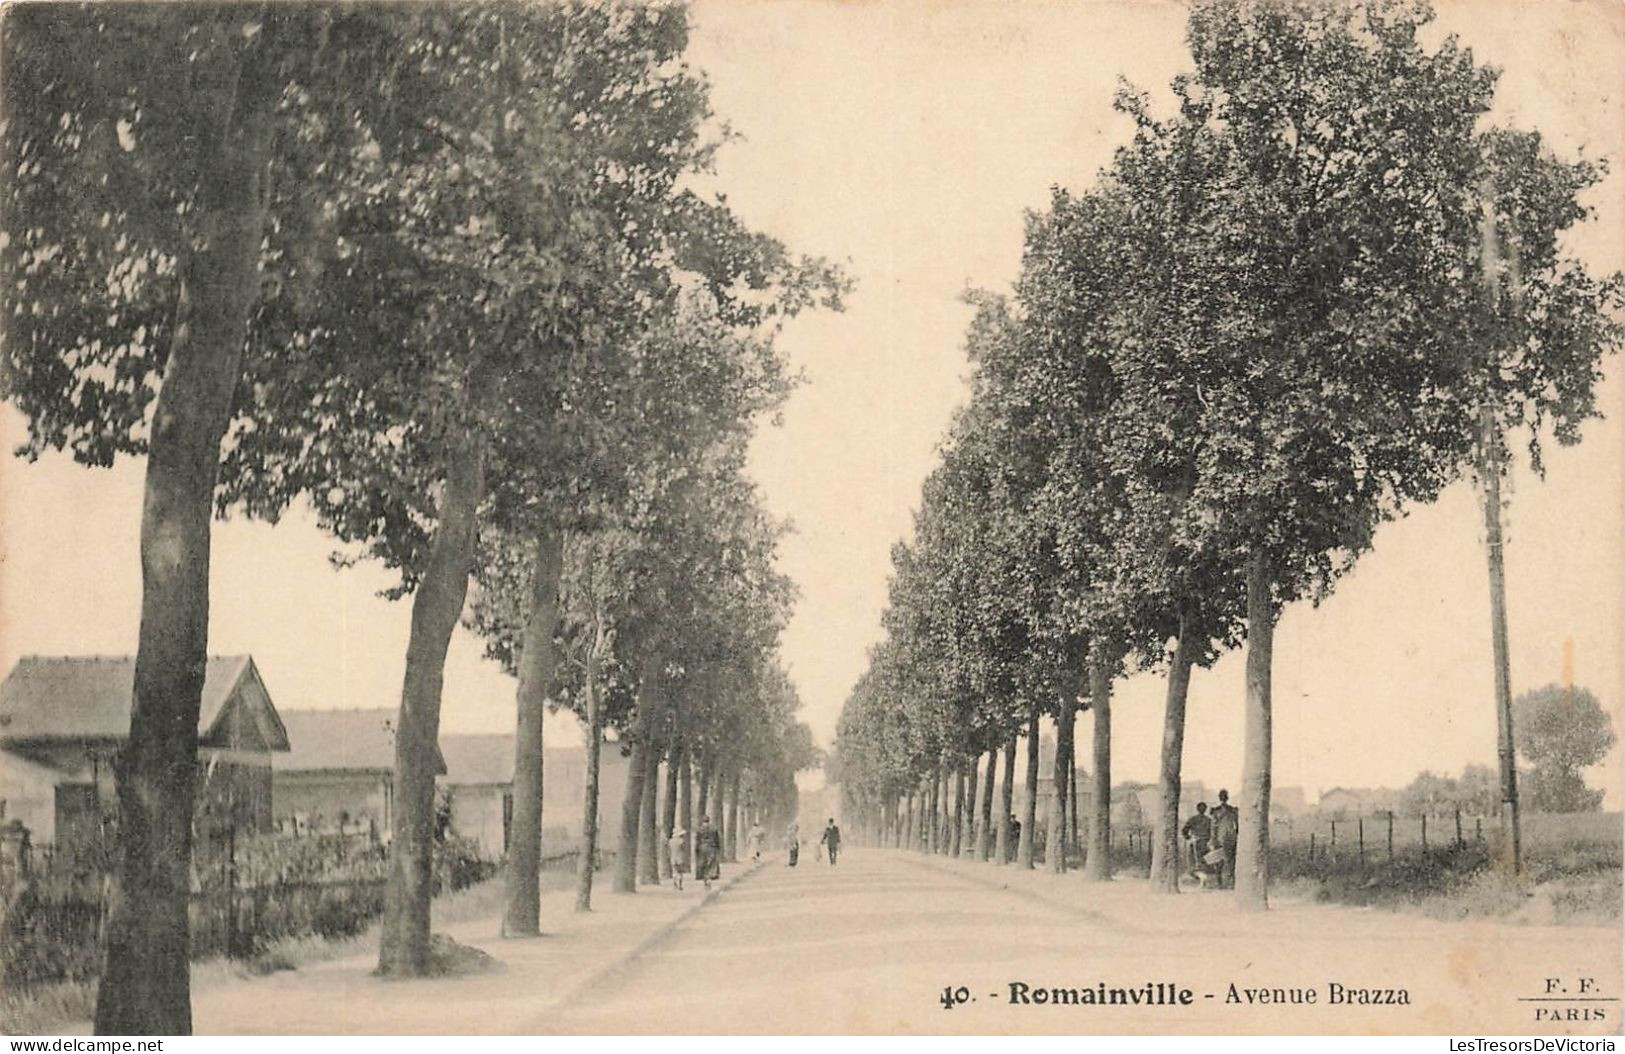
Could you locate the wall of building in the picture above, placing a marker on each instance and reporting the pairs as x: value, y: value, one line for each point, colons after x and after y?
x: 477, y: 813
x: 28, y: 790
x: 322, y: 799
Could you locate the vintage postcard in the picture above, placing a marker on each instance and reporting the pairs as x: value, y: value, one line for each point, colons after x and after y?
x: 761, y: 517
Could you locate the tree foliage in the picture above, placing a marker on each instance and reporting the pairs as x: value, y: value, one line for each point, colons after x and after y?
x: 1561, y: 730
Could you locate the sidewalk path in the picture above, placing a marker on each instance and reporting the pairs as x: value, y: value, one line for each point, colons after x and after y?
x: 342, y: 997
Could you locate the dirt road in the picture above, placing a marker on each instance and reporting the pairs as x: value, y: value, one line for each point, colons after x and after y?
x: 877, y: 943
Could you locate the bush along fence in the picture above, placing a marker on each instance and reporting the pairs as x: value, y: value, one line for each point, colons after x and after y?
x: 247, y: 893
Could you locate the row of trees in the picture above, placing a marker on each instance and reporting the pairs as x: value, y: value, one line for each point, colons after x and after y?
x: 1314, y: 294
x: 439, y: 276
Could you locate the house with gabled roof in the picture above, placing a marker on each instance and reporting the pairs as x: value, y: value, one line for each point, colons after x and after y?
x: 64, y: 719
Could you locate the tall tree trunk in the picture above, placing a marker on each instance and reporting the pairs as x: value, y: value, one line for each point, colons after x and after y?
x: 956, y: 838
x: 730, y: 831
x: 1097, y: 865
x: 1165, y: 863
x: 1029, y: 809
x: 1072, y: 840
x: 702, y: 775
x: 934, y: 831
x: 970, y: 829
x: 668, y: 816
x: 984, y: 846
x: 1055, y: 841
x: 146, y: 985
x: 1007, y: 804
x: 626, y: 854
x: 910, y: 822
x: 928, y: 815
x: 436, y: 607
x: 685, y: 781
x: 1253, y: 847
x: 523, y: 917
x: 589, y: 811
x: 648, y: 819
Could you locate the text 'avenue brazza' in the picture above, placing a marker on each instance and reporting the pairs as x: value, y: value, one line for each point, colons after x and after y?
x: 1164, y: 993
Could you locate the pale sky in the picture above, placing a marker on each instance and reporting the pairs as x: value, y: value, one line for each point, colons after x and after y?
x: 906, y: 140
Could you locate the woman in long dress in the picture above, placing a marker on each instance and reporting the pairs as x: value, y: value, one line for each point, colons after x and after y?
x: 678, y: 847
x: 707, y: 852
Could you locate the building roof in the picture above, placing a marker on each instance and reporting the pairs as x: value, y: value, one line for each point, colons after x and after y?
x: 364, y: 741
x: 89, y: 697
x: 341, y: 741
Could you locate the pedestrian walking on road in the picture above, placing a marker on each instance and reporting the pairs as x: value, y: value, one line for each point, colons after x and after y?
x: 1226, y: 832
x: 792, y: 842
x: 707, y: 852
x: 831, y: 840
x: 679, y: 855
x: 753, y: 841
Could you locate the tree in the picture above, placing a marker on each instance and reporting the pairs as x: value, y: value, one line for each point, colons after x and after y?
x: 1340, y: 228
x: 148, y: 144
x: 1477, y: 790
x: 1429, y: 795
x: 1562, y: 729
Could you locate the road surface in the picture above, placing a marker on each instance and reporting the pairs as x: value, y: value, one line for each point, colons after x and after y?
x: 875, y: 944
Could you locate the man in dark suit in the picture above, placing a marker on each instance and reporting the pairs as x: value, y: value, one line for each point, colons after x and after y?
x: 1226, y: 832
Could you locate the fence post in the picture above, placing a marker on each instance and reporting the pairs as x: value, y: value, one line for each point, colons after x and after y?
x: 1459, y: 842
x: 1390, y: 836
x: 1359, y: 826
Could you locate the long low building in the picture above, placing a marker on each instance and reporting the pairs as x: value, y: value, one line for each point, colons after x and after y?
x: 338, y: 774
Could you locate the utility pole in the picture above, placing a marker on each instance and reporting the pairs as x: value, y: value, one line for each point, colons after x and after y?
x: 1491, y: 466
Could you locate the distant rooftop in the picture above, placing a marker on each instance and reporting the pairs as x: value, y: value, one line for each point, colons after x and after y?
x: 328, y: 740
x: 364, y: 741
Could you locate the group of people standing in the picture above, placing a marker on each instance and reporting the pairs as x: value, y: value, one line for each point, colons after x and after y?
x: 708, y: 848
x: 1210, y: 840
x: 829, y: 842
